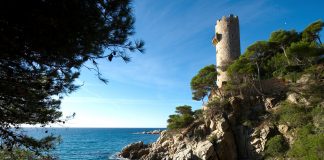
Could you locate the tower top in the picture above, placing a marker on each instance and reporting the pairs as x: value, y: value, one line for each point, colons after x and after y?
x: 225, y: 19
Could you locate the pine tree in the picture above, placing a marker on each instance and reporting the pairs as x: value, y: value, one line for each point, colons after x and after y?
x: 43, y: 45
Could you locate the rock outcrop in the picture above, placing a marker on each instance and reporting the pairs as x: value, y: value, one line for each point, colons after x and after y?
x: 134, y: 150
x: 297, y: 98
x: 218, y: 135
x: 236, y: 128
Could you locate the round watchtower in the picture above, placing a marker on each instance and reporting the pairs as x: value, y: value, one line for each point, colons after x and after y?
x: 227, y: 41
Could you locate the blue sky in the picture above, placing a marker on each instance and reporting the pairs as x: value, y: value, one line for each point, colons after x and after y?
x: 178, y: 36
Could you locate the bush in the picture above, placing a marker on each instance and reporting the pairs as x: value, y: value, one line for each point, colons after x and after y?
x: 22, y: 154
x: 204, y: 82
x: 217, y: 103
x: 276, y: 146
x: 277, y: 65
x: 182, y: 119
x: 293, y: 115
x: 318, y: 118
x: 314, y: 93
x: 216, y: 106
x: 309, y: 146
x: 185, y: 109
x: 198, y: 114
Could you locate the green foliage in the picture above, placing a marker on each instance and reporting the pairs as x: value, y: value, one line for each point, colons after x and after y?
x: 314, y: 91
x: 316, y: 72
x: 202, y: 83
x: 22, y: 154
x: 304, y: 50
x: 310, y: 146
x: 252, y: 66
x: 292, y: 115
x: 308, y: 125
x: 241, y: 66
x: 179, y: 121
x: 44, y: 44
x: 198, y: 114
x: 255, y: 54
x: 276, y: 146
x: 182, y: 119
x: 318, y: 118
x: 216, y: 106
x: 260, y: 49
x: 185, y: 109
x: 16, y: 154
x: 286, y: 54
x: 284, y: 38
x: 217, y: 103
x: 305, y: 130
x: 311, y: 32
x: 277, y: 65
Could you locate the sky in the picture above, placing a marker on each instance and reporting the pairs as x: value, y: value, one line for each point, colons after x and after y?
x: 177, y: 35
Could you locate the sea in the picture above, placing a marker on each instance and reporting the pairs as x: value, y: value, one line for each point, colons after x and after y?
x: 93, y: 143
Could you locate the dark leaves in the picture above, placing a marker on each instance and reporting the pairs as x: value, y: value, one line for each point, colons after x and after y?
x: 43, y: 45
x: 203, y: 82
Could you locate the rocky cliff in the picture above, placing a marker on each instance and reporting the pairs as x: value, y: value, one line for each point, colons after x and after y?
x: 233, y: 127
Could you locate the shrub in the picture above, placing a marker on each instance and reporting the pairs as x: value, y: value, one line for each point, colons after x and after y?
x: 185, y: 109
x: 304, y: 131
x: 23, y: 154
x: 182, y: 119
x: 218, y: 103
x: 309, y: 146
x: 198, y: 114
x: 276, y: 146
x: 277, y: 65
x: 216, y: 106
x: 318, y: 118
x: 293, y: 115
x: 178, y: 121
x: 204, y: 82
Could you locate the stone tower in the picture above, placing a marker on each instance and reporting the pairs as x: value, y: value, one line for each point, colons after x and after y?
x: 227, y: 41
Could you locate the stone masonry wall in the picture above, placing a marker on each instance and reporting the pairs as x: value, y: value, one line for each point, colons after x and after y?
x: 228, y: 45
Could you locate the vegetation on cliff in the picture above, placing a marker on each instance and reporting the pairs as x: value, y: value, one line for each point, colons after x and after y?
x: 276, y: 90
x: 184, y: 117
x: 296, y: 58
x: 286, y: 54
x: 204, y: 82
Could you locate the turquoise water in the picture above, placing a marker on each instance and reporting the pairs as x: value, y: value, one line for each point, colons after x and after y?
x: 93, y: 143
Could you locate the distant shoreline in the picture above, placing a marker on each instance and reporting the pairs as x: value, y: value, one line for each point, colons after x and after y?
x: 157, y: 131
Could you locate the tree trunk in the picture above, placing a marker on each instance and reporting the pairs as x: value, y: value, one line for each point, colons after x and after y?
x: 319, y: 39
x: 284, y: 50
x: 259, y: 77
